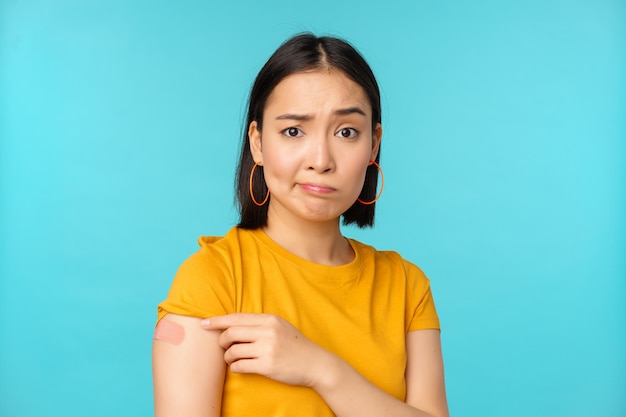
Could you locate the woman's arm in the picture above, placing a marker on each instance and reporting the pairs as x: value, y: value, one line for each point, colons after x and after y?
x: 271, y: 346
x: 188, y: 369
x: 426, y: 387
x: 348, y: 394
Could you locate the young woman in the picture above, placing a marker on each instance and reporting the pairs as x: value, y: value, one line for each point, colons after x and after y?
x: 283, y: 316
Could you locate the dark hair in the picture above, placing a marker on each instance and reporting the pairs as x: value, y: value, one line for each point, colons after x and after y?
x: 301, y: 53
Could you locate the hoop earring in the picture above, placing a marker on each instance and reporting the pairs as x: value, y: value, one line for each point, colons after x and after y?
x: 382, y: 185
x: 252, y: 193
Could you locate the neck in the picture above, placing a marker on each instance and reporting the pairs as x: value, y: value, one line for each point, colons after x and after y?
x: 319, y: 242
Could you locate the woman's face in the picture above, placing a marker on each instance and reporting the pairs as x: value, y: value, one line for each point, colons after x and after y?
x: 316, y: 144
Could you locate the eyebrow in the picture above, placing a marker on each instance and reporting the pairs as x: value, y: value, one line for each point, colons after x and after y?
x: 304, y: 117
x: 350, y: 110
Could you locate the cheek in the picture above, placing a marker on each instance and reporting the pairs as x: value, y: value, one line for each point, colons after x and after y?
x: 278, y: 168
x: 360, y: 162
x: 355, y: 173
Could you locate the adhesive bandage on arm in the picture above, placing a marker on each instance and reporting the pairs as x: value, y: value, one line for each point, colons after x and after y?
x: 170, y: 332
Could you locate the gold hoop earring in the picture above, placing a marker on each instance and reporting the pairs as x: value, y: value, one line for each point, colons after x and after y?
x: 382, y: 185
x: 252, y: 193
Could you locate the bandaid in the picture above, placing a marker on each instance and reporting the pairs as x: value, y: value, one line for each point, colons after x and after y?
x: 169, y: 331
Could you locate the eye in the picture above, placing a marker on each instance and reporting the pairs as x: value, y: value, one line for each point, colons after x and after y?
x: 292, y: 132
x: 347, y: 132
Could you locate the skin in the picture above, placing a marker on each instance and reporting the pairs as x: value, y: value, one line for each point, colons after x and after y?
x: 313, y: 172
x: 315, y: 146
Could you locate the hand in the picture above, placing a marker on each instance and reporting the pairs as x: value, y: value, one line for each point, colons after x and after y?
x: 268, y: 345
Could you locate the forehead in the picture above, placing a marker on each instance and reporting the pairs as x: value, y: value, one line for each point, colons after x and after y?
x: 314, y: 91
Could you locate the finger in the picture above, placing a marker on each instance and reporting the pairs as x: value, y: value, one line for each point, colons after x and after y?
x: 235, y: 319
x: 240, y: 351
x: 246, y: 366
x: 239, y: 334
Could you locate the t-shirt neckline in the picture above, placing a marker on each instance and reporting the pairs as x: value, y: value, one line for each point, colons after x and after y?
x: 338, y: 271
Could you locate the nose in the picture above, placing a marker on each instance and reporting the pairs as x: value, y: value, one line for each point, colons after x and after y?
x: 320, y: 155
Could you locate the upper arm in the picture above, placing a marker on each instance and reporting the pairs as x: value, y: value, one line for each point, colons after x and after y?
x: 424, y: 372
x: 188, y: 376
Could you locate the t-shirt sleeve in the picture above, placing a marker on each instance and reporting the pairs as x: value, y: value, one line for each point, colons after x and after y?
x: 203, y: 287
x: 421, y: 311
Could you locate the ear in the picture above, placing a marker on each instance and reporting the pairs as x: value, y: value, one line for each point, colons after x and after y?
x: 377, y: 135
x: 254, y: 135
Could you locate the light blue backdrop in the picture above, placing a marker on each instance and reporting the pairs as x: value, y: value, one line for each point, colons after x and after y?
x: 505, y: 162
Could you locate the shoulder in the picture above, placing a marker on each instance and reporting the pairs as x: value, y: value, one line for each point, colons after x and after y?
x: 218, y: 259
x: 404, y: 280
x: 217, y: 244
x: 214, y: 250
x: 211, y: 263
x: 204, y: 284
x: 373, y: 257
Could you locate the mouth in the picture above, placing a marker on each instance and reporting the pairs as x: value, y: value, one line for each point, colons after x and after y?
x: 316, y: 188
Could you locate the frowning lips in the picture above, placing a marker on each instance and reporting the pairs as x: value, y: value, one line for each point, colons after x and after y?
x: 316, y: 188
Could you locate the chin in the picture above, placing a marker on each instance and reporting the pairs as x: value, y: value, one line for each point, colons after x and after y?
x: 322, y: 214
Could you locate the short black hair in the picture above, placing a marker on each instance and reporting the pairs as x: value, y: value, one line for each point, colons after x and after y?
x: 301, y: 53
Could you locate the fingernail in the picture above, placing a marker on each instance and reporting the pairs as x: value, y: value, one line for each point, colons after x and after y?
x: 205, y: 323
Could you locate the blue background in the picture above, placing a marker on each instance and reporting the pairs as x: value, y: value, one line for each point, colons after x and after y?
x: 505, y: 161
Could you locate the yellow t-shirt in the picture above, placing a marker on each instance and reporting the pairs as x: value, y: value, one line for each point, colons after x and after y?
x: 360, y: 311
